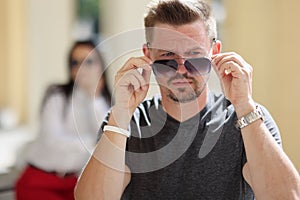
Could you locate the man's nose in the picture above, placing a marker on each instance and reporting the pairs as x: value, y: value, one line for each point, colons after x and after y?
x: 181, y: 68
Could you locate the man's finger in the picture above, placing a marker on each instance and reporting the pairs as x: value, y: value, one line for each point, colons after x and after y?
x: 134, y: 63
x: 146, y: 75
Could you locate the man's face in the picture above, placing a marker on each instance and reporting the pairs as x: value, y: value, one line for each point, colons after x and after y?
x: 179, y: 44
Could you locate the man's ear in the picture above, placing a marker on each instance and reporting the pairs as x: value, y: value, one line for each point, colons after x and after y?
x: 217, y: 46
x: 146, y: 50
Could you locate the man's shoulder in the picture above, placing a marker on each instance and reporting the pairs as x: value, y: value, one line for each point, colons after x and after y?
x: 220, y: 101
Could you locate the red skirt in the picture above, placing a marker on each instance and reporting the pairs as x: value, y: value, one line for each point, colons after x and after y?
x: 36, y: 184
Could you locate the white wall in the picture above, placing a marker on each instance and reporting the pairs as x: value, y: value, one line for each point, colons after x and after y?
x: 49, y: 30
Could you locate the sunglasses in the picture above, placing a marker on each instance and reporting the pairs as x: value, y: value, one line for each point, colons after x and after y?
x: 195, y: 66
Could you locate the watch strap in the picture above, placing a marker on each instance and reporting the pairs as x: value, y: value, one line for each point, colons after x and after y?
x: 250, y: 118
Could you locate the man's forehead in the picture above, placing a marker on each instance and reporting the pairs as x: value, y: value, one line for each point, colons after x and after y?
x: 165, y: 34
x: 172, y: 39
x: 168, y: 41
x: 179, y: 48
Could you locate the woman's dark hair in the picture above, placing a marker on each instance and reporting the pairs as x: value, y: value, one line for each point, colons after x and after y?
x: 67, y: 88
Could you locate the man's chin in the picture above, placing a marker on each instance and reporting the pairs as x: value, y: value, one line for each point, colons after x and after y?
x: 183, y: 97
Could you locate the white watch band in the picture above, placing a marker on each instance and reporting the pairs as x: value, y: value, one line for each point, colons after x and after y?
x: 116, y: 130
x: 250, y: 118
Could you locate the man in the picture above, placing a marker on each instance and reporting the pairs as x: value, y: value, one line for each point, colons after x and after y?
x: 188, y: 143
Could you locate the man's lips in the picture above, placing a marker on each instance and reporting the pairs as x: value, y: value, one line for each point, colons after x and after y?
x: 182, y: 82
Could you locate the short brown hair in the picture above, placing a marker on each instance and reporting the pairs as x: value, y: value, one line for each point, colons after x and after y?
x: 179, y: 12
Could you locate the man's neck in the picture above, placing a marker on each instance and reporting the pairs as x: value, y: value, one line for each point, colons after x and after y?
x: 184, y: 111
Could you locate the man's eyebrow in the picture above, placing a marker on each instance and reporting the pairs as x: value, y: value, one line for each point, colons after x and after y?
x: 198, y: 48
x: 164, y: 50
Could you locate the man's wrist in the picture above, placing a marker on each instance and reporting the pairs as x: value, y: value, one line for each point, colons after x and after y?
x: 116, y: 129
x: 244, y: 108
x: 119, y: 117
x: 250, y: 118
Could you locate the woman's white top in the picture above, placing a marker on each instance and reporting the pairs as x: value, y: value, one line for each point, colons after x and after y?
x: 68, y: 132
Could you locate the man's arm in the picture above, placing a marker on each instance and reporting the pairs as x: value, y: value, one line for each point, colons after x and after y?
x: 268, y: 170
x: 106, y: 175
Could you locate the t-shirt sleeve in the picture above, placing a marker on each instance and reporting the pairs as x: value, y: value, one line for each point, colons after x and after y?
x: 272, y: 126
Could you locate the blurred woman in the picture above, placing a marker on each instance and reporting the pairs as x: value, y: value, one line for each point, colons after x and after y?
x: 70, y: 118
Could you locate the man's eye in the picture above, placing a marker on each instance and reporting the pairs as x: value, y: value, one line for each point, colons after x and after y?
x: 167, y: 54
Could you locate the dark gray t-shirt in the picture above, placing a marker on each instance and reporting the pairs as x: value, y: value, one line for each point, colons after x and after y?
x: 200, y: 158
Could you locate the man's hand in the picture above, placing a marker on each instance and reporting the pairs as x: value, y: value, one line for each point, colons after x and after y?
x: 131, y: 88
x: 235, y: 75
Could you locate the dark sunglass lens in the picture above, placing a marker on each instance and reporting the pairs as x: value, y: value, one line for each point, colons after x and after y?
x: 199, y: 66
x: 164, y: 67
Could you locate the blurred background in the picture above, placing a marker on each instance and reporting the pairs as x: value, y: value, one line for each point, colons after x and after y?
x: 36, y: 34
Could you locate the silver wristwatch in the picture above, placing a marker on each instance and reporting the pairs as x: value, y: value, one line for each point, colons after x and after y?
x: 250, y: 118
